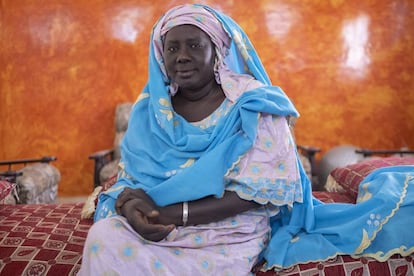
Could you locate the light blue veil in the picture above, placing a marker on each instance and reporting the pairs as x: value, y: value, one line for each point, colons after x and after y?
x: 175, y: 161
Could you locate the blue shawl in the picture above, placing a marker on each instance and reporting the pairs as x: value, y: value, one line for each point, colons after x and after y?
x: 174, y: 161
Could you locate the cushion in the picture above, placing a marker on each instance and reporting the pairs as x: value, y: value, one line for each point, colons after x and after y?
x: 107, y: 171
x: 38, y: 184
x: 90, y: 204
x: 349, y: 177
x: 122, y: 114
x: 331, y: 197
x: 5, y: 189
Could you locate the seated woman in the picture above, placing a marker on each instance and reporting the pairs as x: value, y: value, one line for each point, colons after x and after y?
x: 210, y: 180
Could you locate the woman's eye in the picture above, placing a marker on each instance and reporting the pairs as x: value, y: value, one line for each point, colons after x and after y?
x: 172, y: 49
x: 195, y: 45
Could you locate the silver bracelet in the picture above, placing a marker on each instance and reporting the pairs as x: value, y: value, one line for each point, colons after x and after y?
x: 185, y: 213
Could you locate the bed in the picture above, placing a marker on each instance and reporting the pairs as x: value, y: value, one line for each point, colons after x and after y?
x: 48, y: 239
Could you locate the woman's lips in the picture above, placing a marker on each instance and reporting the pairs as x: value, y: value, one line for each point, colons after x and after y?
x: 185, y: 73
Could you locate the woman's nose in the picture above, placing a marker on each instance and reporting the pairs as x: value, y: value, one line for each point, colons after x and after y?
x: 183, y: 55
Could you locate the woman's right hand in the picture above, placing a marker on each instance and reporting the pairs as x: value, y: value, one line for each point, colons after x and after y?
x: 147, y: 204
x: 141, y: 213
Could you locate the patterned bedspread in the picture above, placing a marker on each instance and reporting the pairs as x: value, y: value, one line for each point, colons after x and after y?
x: 47, y: 239
x: 42, y: 239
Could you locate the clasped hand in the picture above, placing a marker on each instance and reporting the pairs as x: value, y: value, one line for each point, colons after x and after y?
x: 142, y: 214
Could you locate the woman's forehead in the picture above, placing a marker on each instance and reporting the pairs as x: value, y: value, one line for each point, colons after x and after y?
x: 186, y: 31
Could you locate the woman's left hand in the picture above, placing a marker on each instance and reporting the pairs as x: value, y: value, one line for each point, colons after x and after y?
x: 142, y: 224
x: 142, y: 214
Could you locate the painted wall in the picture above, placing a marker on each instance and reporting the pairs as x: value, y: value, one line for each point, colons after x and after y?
x: 64, y: 65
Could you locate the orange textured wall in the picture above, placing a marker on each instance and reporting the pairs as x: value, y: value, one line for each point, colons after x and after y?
x: 64, y: 65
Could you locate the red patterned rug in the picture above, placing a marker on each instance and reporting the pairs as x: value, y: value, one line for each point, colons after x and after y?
x: 44, y: 239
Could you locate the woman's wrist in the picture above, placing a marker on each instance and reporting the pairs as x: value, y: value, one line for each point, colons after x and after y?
x: 171, y: 214
x: 125, y: 207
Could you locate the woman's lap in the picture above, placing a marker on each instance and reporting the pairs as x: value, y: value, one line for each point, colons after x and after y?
x: 228, y: 247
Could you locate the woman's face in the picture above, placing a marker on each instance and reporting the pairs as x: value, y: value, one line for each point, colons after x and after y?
x: 189, y: 57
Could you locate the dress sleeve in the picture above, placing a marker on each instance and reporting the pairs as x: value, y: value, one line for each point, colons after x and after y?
x: 269, y: 173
